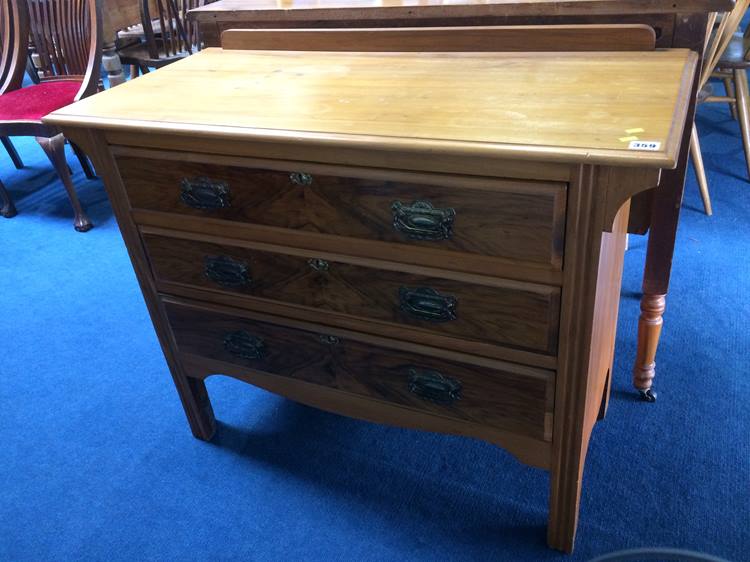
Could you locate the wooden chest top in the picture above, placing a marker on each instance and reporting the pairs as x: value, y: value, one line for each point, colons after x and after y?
x: 556, y: 107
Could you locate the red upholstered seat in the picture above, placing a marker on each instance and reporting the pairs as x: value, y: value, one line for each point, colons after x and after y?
x: 34, y: 102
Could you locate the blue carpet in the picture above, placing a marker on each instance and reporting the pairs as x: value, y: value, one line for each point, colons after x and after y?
x: 97, y: 461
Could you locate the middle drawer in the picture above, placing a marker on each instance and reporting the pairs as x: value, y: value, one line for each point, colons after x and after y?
x: 508, y: 313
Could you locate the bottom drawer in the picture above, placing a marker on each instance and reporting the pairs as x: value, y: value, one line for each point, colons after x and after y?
x: 512, y: 398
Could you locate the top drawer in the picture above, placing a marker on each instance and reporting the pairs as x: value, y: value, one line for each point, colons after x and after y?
x: 519, y: 220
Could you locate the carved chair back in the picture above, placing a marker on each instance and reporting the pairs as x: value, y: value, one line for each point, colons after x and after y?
x: 14, y: 33
x: 67, y: 35
x: 175, y: 34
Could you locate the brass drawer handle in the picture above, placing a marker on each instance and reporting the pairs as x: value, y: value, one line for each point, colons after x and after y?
x: 300, y: 178
x: 318, y: 264
x: 244, y: 345
x: 226, y: 271
x: 434, y: 386
x: 427, y: 304
x: 422, y: 221
x: 203, y: 193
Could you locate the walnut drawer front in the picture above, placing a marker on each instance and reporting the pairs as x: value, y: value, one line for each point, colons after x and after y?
x: 519, y: 315
x: 518, y: 400
x: 519, y: 220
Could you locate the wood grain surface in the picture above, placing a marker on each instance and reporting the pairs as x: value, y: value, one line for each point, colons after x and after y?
x: 442, y: 103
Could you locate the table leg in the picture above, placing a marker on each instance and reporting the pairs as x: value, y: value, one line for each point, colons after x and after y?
x: 665, y: 214
x: 197, y: 406
x: 649, y: 330
x: 111, y: 63
x: 565, y: 500
x: 33, y: 66
x: 664, y: 217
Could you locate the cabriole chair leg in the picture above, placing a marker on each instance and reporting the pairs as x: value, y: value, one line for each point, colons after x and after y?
x: 55, y: 149
x: 12, y: 152
x: 84, y: 160
x: 8, y: 210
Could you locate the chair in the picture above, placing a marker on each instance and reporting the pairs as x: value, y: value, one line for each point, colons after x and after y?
x: 728, y: 57
x: 168, y: 36
x: 66, y: 34
x: 17, y: 162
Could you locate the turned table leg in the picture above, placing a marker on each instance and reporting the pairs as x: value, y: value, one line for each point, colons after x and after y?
x: 111, y: 63
x: 649, y: 329
x: 661, y: 240
x: 690, y: 32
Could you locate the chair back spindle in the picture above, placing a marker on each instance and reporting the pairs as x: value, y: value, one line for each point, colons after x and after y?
x: 68, y: 40
x: 175, y: 35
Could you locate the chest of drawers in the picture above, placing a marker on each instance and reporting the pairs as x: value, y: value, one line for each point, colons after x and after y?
x: 453, y: 270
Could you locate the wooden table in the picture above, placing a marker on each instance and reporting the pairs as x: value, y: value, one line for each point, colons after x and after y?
x: 677, y: 23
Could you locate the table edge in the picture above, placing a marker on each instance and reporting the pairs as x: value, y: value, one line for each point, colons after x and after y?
x: 552, y: 8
